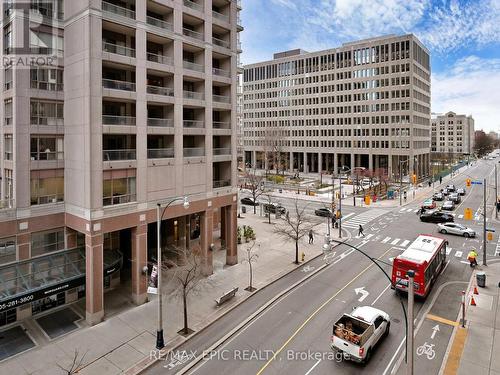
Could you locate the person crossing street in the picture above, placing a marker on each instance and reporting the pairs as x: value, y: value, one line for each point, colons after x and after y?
x: 311, y: 237
x: 360, y: 231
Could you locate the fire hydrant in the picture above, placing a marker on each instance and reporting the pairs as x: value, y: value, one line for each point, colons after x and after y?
x: 303, y: 256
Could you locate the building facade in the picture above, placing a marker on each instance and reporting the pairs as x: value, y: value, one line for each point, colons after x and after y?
x: 364, y: 104
x: 139, y: 108
x: 452, y: 134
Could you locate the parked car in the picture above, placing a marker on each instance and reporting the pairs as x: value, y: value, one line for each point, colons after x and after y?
x: 429, y: 204
x: 249, y: 201
x: 274, y: 208
x: 325, y: 212
x: 458, y: 229
x: 356, y: 334
x: 448, y: 205
x: 455, y: 198
x: 451, y: 188
x: 461, y: 191
x: 438, y: 196
x: 437, y: 217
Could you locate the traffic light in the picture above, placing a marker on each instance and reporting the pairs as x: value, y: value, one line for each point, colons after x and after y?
x: 338, y: 214
x: 414, y: 179
x: 490, y: 236
x: 468, y: 214
x: 467, y: 182
x: 367, y: 200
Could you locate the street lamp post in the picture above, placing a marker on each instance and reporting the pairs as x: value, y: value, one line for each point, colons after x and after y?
x: 160, y: 343
x: 484, y: 222
x: 409, y: 336
x: 401, y: 181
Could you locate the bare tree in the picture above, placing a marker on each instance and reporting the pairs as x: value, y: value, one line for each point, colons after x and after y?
x: 250, y: 257
x: 76, y: 364
x: 254, y: 183
x: 269, y: 199
x: 295, y: 226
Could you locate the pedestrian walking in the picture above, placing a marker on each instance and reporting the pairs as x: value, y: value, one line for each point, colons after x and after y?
x: 311, y: 237
x: 334, y: 221
x: 440, y: 179
x: 360, y: 231
x: 498, y: 205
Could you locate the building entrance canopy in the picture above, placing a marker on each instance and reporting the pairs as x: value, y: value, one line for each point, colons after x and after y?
x: 26, y: 281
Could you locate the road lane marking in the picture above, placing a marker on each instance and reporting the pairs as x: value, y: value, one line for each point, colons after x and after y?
x: 448, y: 251
x: 442, y: 320
x: 321, y: 307
x: 394, y: 356
x: 368, y: 236
x: 404, y: 243
x: 380, y: 295
x: 460, y: 216
x: 458, y: 254
x: 396, y: 240
x: 385, y: 240
x: 312, y: 368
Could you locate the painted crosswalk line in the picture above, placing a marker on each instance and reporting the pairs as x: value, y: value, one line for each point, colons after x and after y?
x: 385, y: 240
x: 363, y: 218
x: 404, y: 243
x: 395, y: 241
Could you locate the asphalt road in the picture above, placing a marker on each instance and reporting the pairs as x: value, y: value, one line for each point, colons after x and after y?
x: 292, y: 335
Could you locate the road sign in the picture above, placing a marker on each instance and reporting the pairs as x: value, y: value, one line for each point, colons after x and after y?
x: 490, y: 230
x: 490, y: 236
x: 477, y: 182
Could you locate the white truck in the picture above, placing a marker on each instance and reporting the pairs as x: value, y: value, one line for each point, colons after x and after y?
x: 356, y: 334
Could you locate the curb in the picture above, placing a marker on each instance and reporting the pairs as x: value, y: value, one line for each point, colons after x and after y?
x: 147, y: 362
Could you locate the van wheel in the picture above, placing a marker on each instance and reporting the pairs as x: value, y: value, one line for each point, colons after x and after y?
x: 466, y: 235
x: 368, y: 356
x: 387, y: 328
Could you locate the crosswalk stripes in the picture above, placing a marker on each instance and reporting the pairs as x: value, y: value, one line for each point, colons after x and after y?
x: 460, y: 216
x: 385, y: 240
x: 395, y: 241
x: 363, y: 218
x: 368, y: 236
x: 404, y: 243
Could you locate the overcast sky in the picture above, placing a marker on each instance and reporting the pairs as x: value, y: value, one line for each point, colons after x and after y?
x: 463, y: 37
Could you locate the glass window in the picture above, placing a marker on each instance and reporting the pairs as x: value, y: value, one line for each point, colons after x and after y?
x: 7, y: 250
x: 7, y: 82
x: 8, y: 147
x: 119, y: 187
x: 7, y: 39
x: 47, y: 242
x: 47, y: 148
x: 47, y: 186
x: 8, y: 111
x: 46, y: 113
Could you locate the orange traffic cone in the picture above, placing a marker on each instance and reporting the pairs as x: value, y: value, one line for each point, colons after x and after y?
x: 475, y: 290
x: 472, y: 302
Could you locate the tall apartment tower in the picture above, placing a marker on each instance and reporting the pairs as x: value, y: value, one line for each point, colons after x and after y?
x: 139, y: 109
x: 452, y: 135
x: 364, y: 104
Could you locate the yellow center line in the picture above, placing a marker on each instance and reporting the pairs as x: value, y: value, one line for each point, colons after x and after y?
x: 442, y: 320
x: 314, y: 314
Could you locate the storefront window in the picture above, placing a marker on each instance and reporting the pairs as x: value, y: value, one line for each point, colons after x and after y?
x: 47, y: 242
x: 7, y: 250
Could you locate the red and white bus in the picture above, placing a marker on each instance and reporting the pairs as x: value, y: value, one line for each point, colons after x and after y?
x: 427, y: 257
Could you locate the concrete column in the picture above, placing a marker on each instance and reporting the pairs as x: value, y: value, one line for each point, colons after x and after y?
x: 94, y: 278
x: 23, y: 246
x: 353, y: 162
x: 306, y: 165
x: 231, y: 244
x: 254, y: 159
x: 291, y: 162
x: 335, y: 163
x: 139, y: 237
x: 327, y: 161
x: 320, y: 162
x: 370, y: 162
x: 390, y: 171
x: 206, y: 233
x: 223, y: 228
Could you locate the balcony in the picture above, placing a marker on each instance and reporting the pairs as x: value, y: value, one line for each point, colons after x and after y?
x: 221, y: 125
x: 221, y: 43
x: 51, y: 121
x: 221, y: 99
x: 152, y: 21
x: 193, y: 151
x: 7, y: 203
x: 118, y: 85
x: 117, y: 10
x: 221, y: 184
x: 160, y: 153
x: 192, y: 34
x: 193, y: 124
x: 49, y: 155
x: 161, y: 122
x: 220, y: 16
x: 193, y: 66
x: 193, y: 95
x: 160, y: 59
x: 193, y: 5
x: 221, y: 72
x: 118, y: 120
x: 222, y: 151
x: 157, y: 90
x: 118, y: 50
x: 124, y: 154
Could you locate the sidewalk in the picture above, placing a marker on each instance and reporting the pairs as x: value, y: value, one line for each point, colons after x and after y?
x: 124, y: 340
x: 475, y: 348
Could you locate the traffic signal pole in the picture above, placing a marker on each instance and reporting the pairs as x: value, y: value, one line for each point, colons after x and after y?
x: 484, y: 221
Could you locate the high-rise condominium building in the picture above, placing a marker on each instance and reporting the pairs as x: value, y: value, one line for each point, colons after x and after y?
x: 139, y: 108
x: 452, y: 134
x: 364, y: 104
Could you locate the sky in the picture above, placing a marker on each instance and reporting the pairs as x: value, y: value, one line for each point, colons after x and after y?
x: 463, y: 38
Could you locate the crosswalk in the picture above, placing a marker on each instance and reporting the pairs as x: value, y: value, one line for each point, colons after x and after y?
x: 363, y: 218
x: 405, y: 210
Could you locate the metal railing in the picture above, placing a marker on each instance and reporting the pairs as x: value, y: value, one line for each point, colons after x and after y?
x: 193, y: 95
x: 118, y: 10
x: 221, y: 43
x: 221, y: 125
x: 193, y: 66
x: 221, y: 183
x: 117, y: 49
x: 221, y: 72
x: 161, y: 122
x: 50, y: 121
x: 152, y: 21
x: 193, y: 151
x: 158, y: 90
x: 125, y: 154
x: 118, y: 199
x: 49, y: 155
x: 47, y: 12
x: 48, y: 86
x: 7, y: 203
x: 159, y: 153
x: 160, y: 59
x: 192, y: 34
x: 220, y: 16
x: 45, y: 199
x: 118, y: 85
x: 193, y: 124
x: 221, y: 98
x: 193, y: 5
x: 222, y: 151
x: 118, y: 120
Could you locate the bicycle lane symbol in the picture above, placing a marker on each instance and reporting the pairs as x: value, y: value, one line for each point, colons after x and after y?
x: 427, y: 349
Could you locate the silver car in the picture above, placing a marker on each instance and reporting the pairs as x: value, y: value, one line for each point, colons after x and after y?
x: 454, y: 228
x: 448, y: 205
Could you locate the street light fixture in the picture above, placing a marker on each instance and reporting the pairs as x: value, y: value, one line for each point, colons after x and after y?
x: 160, y: 343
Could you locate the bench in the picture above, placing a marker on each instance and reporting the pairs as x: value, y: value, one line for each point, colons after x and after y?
x: 226, y: 296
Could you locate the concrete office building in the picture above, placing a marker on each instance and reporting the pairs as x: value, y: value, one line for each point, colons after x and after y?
x: 452, y: 134
x: 364, y: 104
x: 140, y: 108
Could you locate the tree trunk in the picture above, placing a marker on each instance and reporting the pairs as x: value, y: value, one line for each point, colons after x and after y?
x: 184, y: 300
x: 251, y: 274
x: 296, y: 252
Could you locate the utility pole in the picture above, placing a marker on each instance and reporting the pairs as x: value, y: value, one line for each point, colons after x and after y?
x: 340, y: 205
x: 484, y: 222
x: 409, y: 335
x: 496, y: 192
x: 400, y: 185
